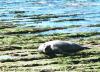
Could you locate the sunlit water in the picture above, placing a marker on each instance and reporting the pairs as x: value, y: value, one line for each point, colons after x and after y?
x: 6, y: 57
x: 23, y: 13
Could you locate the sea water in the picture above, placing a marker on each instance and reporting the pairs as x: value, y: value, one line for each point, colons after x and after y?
x: 52, y: 13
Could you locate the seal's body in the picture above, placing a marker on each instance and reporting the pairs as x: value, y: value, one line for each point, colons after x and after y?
x: 58, y: 46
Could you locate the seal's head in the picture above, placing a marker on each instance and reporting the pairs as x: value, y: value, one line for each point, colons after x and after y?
x: 44, y: 48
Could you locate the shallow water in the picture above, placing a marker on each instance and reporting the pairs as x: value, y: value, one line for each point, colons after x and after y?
x: 51, y: 13
x: 72, y: 30
x: 6, y: 57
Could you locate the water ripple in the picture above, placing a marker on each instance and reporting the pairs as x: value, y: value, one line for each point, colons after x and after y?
x: 47, y: 12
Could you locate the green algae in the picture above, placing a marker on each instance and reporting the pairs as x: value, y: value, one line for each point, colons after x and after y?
x: 24, y: 48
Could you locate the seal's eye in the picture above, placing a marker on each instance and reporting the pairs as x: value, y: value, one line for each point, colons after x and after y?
x: 48, y: 49
x: 48, y: 46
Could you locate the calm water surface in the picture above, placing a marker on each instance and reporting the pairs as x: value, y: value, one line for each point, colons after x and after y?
x: 52, y: 13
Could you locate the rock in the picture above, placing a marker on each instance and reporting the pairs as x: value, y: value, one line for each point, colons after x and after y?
x: 58, y: 46
x: 47, y: 70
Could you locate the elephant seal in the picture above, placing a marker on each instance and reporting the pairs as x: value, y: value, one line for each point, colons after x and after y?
x: 58, y: 46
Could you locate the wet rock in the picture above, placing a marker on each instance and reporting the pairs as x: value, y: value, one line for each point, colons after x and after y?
x: 47, y: 70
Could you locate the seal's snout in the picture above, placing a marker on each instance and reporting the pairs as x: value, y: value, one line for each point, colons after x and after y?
x: 41, y: 48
